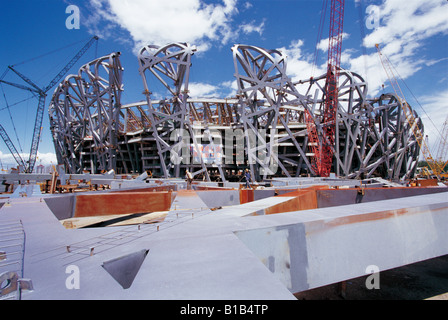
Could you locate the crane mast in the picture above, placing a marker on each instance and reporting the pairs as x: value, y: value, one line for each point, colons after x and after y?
x: 439, y: 162
x: 11, y: 147
x: 442, y: 147
x: 323, y: 148
x: 40, y: 107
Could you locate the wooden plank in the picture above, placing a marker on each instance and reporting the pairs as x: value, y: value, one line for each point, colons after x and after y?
x: 82, y: 222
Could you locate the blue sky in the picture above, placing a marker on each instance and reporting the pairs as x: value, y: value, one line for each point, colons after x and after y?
x: 412, y: 33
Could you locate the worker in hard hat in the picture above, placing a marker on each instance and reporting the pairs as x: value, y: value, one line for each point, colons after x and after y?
x: 248, y: 178
x: 189, y: 177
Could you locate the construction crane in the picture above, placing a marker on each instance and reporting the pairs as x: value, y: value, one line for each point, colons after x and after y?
x: 409, y: 115
x: 41, y: 93
x: 11, y: 147
x: 323, y: 148
x: 441, y: 148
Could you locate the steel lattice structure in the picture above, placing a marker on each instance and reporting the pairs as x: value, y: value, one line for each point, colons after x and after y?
x: 84, y: 116
x: 263, y: 128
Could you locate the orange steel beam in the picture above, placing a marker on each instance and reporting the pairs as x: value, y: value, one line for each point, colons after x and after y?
x: 122, y: 203
x: 304, y: 199
x: 246, y: 195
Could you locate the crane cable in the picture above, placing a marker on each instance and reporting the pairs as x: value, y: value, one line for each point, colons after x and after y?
x: 421, y: 107
x: 323, y: 13
x: 26, y: 61
x: 10, y: 116
x: 18, y: 102
x: 48, y: 53
x: 363, y: 35
x: 360, y: 12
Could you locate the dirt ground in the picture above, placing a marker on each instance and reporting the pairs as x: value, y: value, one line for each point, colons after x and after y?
x: 423, y: 280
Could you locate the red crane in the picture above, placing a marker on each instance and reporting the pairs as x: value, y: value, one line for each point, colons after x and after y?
x: 323, y: 148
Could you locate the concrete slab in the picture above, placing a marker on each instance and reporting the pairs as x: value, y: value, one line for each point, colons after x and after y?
x: 229, y: 253
x: 338, y: 197
x: 26, y: 190
x: 344, y: 241
x: 187, y: 200
x: 219, y: 198
x: 178, y: 266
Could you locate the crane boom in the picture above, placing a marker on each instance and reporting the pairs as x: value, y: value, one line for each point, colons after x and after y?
x: 70, y: 64
x: 332, y: 81
x: 32, y: 90
x: 26, y: 79
x: 36, y: 133
x: 40, y: 107
x: 11, y: 147
x: 442, y: 148
x: 323, y: 150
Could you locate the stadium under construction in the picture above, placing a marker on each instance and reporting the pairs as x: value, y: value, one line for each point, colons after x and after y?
x: 333, y: 194
x: 264, y: 128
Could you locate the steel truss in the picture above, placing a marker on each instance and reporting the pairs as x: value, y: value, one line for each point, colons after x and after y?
x: 84, y: 113
x: 170, y: 65
x: 264, y: 127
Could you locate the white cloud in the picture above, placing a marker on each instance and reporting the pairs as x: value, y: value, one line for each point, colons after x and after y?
x: 247, y: 5
x: 433, y: 62
x: 323, y: 44
x: 437, y: 106
x: 253, y: 27
x: 7, y: 160
x: 45, y: 159
x: 230, y: 88
x: 162, y: 22
x: 202, y: 90
x: 415, y: 20
x: 300, y: 64
x: 401, y: 34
